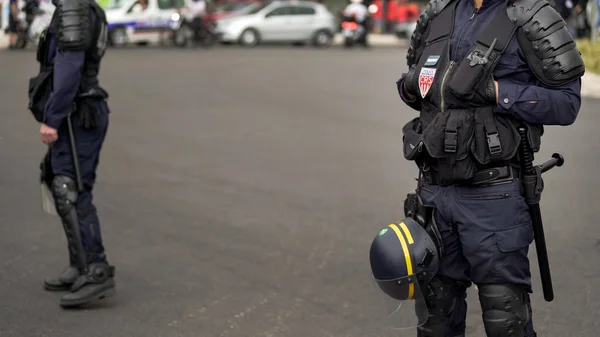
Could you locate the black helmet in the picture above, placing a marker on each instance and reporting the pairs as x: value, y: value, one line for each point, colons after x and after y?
x: 403, y: 256
x: 404, y: 259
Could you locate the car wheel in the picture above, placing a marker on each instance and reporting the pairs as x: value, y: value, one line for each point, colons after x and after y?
x: 249, y: 38
x: 322, y: 39
x: 118, y: 37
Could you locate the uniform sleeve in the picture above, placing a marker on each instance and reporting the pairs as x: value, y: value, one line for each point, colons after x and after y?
x: 67, y: 77
x: 415, y: 103
x: 538, y: 104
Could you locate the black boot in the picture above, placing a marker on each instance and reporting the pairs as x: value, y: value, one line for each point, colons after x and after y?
x: 64, y: 281
x: 96, y: 284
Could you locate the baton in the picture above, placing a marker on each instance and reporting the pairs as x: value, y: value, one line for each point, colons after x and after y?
x: 557, y: 160
x: 74, y: 154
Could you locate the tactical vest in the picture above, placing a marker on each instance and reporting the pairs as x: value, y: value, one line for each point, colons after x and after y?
x: 457, y: 133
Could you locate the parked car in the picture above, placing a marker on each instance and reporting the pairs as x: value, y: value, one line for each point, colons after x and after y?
x: 280, y: 21
x: 141, y: 21
x: 232, y: 9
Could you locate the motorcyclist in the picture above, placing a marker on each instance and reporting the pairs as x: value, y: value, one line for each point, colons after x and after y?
x: 359, y: 12
x: 197, y: 10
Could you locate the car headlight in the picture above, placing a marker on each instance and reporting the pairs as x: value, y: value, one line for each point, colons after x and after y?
x: 175, y: 16
x: 373, y: 9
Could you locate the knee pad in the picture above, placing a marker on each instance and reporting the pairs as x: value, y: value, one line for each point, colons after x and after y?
x: 447, y: 308
x: 64, y: 191
x: 505, y: 309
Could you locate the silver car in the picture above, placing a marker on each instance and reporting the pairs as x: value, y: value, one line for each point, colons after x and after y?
x: 280, y: 21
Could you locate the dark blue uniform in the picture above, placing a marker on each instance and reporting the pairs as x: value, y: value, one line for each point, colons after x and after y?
x: 487, y: 230
x: 73, y: 49
x: 67, y: 74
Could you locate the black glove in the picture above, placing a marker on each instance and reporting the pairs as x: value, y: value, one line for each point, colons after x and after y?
x: 411, y: 81
x: 88, y: 115
x: 486, y: 92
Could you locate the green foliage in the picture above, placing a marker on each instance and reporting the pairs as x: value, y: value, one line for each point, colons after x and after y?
x: 591, y: 55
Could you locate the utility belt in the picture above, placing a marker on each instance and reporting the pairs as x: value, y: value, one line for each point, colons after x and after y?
x: 488, y: 176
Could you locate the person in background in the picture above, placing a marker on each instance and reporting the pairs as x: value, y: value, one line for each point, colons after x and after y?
x: 197, y: 10
x: 357, y: 10
x: 13, y: 24
x: 378, y: 16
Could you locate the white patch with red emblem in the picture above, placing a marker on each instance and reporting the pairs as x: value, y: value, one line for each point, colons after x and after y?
x: 426, y: 80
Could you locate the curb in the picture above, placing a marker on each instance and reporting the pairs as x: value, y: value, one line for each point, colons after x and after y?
x: 3, y: 40
x: 376, y: 41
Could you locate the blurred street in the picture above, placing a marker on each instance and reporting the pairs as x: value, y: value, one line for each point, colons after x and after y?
x: 239, y: 192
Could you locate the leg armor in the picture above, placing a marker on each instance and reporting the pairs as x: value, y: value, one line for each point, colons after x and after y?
x: 64, y: 190
x: 447, y: 309
x: 505, y: 309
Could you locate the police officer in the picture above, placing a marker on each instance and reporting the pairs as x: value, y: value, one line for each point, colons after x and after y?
x: 478, y: 71
x: 76, y: 118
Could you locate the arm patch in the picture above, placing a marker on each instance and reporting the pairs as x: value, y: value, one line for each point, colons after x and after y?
x: 434, y: 7
x: 549, y: 48
x: 74, y: 30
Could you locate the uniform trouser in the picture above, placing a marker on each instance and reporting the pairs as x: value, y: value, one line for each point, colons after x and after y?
x: 88, y: 144
x: 486, y: 233
x: 197, y: 27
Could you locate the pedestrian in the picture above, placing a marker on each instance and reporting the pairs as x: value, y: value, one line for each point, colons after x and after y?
x: 479, y: 71
x: 74, y: 117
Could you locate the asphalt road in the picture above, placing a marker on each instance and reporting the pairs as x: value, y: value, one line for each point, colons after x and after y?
x: 239, y: 192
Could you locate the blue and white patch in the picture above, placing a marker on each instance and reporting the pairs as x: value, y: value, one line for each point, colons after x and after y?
x: 432, y: 60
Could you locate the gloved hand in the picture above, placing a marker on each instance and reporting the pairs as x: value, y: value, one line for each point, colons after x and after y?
x: 486, y: 93
x: 411, y: 81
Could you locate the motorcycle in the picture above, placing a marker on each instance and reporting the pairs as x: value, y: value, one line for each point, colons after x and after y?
x: 182, y: 31
x: 352, y: 32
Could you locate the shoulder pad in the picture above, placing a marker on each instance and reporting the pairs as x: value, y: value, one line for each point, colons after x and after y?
x: 434, y: 7
x: 74, y: 31
x: 549, y: 48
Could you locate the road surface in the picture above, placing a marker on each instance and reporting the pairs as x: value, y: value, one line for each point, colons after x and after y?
x: 239, y: 191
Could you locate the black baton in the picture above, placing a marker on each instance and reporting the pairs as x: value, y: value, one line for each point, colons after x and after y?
x: 533, y: 189
x: 74, y: 154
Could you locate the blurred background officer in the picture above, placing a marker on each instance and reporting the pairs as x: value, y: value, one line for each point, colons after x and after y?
x: 479, y: 71
x: 359, y: 13
x: 72, y: 55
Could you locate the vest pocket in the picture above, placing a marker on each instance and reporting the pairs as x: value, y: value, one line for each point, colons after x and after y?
x: 496, y: 139
x: 412, y: 139
x: 448, y: 139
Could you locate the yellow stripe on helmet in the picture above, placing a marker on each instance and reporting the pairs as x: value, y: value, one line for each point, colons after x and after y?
x: 407, y: 233
x: 409, y: 266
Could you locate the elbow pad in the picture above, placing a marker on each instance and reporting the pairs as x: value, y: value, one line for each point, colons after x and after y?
x: 547, y: 44
x: 73, y: 25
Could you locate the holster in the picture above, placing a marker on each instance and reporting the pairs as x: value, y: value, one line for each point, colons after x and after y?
x: 423, y: 215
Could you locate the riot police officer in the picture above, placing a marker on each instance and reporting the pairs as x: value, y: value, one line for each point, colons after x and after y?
x: 479, y: 70
x: 74, y: 117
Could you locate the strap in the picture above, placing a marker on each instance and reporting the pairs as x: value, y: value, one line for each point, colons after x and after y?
x: 497, y: 29
x: 450, y: 135
x: 443, y: 25
x: 495, y: 38
x: 491, y: 132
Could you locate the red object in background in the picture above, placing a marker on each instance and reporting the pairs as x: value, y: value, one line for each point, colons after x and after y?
x: 220, y: 11
x: 397, y: 12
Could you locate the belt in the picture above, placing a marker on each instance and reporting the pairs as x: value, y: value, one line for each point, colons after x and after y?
x: 493, y: 175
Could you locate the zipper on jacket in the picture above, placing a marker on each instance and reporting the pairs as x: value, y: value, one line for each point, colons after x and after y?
x: 443, y: 84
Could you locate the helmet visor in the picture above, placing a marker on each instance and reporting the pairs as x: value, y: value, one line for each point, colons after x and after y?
x: 402, y: 302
